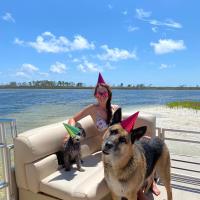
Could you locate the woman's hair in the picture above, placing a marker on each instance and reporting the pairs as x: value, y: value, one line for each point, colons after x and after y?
x: 108, y: 103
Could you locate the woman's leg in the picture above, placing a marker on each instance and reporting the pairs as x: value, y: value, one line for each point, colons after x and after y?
x: 154, y: 188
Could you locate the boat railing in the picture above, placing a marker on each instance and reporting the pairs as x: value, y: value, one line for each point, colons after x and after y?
x: 7, y: 128
x: 185, y: 172
x: 6, y: 148
x: 161, y: 132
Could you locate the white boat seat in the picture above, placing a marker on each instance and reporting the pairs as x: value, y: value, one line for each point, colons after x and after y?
x: 71, y: 185
x: 38, y: 174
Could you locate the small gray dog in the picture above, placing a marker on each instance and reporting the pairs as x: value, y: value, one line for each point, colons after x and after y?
x: 72, y: 151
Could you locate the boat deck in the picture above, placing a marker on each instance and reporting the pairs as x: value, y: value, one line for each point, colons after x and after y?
x: 185, y: 173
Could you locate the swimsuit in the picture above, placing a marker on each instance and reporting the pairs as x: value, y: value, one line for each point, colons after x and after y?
x: 101, y: 123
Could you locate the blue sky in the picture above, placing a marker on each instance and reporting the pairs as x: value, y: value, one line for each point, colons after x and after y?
x: 131, y: 41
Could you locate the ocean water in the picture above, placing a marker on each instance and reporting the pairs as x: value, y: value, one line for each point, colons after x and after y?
x: 37, y: 107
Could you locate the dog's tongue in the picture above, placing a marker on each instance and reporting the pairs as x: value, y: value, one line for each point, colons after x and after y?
x: 129, y: 122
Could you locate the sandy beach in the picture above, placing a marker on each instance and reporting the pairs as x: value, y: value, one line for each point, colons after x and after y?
x: 181, y: 119
x: 176, y: 118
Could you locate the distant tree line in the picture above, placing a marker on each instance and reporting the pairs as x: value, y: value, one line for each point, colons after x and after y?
x: 45, y: 84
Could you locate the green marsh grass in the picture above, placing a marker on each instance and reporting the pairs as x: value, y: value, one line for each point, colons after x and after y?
x: 184, y: 104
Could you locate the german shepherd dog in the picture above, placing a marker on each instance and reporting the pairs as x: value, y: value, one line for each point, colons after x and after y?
x: 130, y: 162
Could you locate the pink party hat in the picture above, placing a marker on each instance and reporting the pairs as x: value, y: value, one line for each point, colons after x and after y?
x: 100, y: 79
x: 129, y: 122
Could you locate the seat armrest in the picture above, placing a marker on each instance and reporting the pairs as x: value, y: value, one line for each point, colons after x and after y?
x: 39, y: 170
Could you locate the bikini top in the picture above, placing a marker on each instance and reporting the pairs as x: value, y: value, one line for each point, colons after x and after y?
x: 101, y: 123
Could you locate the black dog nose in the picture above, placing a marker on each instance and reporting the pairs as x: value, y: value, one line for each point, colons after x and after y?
x: 109, y: 145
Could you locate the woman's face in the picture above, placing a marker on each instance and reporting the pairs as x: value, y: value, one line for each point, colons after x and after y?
x: 102, y: 95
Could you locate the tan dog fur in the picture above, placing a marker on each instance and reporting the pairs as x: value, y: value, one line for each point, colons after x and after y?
x: 125, y: 164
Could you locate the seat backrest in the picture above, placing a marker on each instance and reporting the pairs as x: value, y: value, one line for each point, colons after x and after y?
x: 36, y: 144
x: 148, y: 120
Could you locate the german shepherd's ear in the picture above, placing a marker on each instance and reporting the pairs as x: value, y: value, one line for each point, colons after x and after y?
x: 137, y: 133
x: 117, y: 117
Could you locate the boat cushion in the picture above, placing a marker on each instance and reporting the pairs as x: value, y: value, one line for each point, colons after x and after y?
x: 39, y: 170
x: 38, y: 143
x: 73, y: 185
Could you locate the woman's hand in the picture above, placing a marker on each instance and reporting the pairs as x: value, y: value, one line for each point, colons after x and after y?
x: 71, y: 122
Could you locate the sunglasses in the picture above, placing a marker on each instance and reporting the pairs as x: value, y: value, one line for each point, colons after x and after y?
x: 102, y: 94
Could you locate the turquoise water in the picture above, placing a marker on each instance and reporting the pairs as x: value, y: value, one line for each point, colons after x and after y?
x: 37, y: 107
x: 34, y: 108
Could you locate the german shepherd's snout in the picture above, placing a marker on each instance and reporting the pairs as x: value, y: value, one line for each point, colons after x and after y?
x: 130, y: 162
x: 108, y: 145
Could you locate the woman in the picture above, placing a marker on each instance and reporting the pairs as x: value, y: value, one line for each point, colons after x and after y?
x: 102, y: 111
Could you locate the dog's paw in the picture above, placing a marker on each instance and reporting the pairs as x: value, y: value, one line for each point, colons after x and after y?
x: 81, y: 170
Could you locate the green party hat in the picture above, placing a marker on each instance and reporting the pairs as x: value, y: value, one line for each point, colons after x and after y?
x: 72, y: 130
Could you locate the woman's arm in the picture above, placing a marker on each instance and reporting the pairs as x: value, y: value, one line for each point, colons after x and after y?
x: 83, y: 113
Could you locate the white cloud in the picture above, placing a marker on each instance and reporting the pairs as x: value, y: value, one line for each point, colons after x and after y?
x: 44, y: 74
x: 76, y: 60
x: 18, y: 41
x: 8, y: 17
x: 154, y: 29
x: 81, y: 43
x: 58, y: 68
x: 165, y: 66
x: 88, y: 66
x: 169, y: 23
x: 145, y: 16
x: 132, y: 28
x: 82, y: 68
x: 48, y: 42
x: 29, y: 68
x: 109, y: 66
x: 22, y: 74
x: 110, y: 6
x: 125, y: 12
x: 167, y: 46
x: 141, y: 14
x: 116, y: 54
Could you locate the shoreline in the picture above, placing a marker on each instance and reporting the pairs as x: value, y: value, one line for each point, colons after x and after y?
x: 113, y: 88
x: 176, y: 118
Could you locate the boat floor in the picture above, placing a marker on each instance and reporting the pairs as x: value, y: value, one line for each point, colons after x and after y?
x: 185, y: 175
